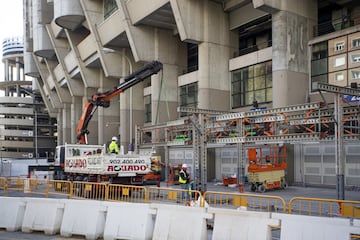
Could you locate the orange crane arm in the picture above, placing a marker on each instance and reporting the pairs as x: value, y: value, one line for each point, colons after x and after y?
x: 103, y: 99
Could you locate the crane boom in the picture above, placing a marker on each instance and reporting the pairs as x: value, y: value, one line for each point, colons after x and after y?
x: 103, y: 99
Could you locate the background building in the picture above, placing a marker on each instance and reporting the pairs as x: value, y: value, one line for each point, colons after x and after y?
x: 27, y: 133
x: 217, y: 54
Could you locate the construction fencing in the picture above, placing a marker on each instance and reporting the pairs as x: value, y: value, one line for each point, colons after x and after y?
x: 167, y: 195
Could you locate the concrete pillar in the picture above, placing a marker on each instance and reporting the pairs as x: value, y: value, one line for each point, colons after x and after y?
x: 292, y: 28
x: 18, y: 76
x: 60, y: 134
x: 214, y: 53
x: 171, y: 52
x: 6, y: 74
x: 66, y: 120
x: 76, y: 109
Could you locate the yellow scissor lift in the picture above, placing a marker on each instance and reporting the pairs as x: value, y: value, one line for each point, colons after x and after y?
x: 267, y: 165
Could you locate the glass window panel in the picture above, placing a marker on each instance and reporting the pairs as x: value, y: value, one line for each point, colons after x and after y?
x: 249, y: 98
x: 339, y: 77
x: 355, y: 74
x: 355, y: 58
x: 319, y: 67
x: 268, y: 94
x: 259, y: 82
x: 259, y: 70
x: 268, y: 66
x: 340, y: 61
x: 356, y: 42
x: 235, y: 87
x: 339, y: 46
x: 250, y: 71
x: 268, y: 81
x: 260, y: 95
x: 249, y: 85
x: 236, y: 100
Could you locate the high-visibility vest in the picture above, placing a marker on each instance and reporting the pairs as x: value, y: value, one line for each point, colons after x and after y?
x: 113, y: 147
x: 182, y: 180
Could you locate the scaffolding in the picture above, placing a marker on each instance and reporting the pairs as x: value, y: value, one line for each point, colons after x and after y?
x: 304, y: 123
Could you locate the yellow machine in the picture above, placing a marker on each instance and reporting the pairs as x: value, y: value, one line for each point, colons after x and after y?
x: 267, y: 165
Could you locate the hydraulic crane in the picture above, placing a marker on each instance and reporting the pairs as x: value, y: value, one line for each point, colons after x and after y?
x: 103, y: 99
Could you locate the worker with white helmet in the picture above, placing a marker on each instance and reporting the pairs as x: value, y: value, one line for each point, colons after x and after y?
x: 184, y: 179
x: 114, y: 147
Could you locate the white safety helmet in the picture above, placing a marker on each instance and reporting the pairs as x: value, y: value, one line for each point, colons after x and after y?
x: 114, y: 138
x: 184, y: 165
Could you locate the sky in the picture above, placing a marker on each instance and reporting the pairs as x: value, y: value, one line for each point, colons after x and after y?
x: 11, y: 22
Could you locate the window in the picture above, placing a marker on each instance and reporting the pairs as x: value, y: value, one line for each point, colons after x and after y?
x: 252, y: 83
x: 355, y: 43
x: 355, y: 58
x: 147, y: 112
x: 255, y: 35
x: 188, y: 96
x: 339, y: 76
x: 319, y: 63
x: 192, y: 57
x: 355, y: 74
x: 110, y: 7
x: 339, y: 46
x: 340, y: 61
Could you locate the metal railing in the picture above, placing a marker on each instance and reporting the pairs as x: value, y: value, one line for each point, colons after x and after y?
x: 253, y: 202
x: 324, y: 207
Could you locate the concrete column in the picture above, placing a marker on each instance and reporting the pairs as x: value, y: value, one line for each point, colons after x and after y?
x: 66, y: 120
x: 60, y: 134
x: 18, y: 76
x: 171, y: 52
x: 76, y: 109
x: 6, y: 74
x: 108, y: 118
x: 292, y: 28
x: 214, y: 53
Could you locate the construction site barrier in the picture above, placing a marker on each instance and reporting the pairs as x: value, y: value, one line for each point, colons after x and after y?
x: 3, y: 185
x: 59, y: 188
x: 85, y: 218
x: 12, y: 213
x: 129, y: 221
x: 89, y: 190
x: 126, y: 193
x: 254, y: 202
x: 172, y: 195
x: 324, y: 207
x: 15, y: 184
x: 242, y: 224
x: 43, y: 215
x: 300, y: 227
x: 180, y: 222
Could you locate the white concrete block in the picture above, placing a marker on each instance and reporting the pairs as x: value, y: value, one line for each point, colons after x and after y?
x: 43, y: 214
x: 300, y: 227
x: 12, y: 211
x: 240, y: 224
x: 180, y: 222
x: 129, y: 221
x: 83, y: 217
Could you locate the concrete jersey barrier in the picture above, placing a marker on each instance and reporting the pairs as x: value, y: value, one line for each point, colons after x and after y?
x: 84, y: 217
x: 12, y: 212
x: 180, y: 222
x: 43, y: 214
x: 300, y: 227
x: 241, y: 224
x: 129, y: 221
